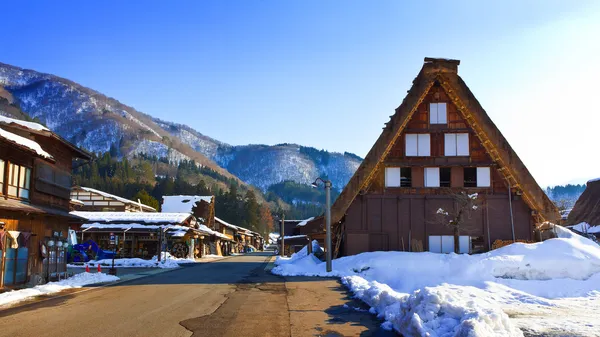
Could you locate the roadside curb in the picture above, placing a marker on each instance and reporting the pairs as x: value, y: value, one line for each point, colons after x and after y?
x: 94, y: 286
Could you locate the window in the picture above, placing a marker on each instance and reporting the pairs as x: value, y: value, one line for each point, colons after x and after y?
x: 470, y: 177
x: 406, y: 177
x: 477, y: 177
x: 392, y: 177
x: 445, y: 176
x: 18, y: 181
x: 456, y: 144
x: 2, y: 176
x: 437, y: 113
x: 418, y: 144
x: 483, y: 177
x: 445, y: 244
x: 432, y: 177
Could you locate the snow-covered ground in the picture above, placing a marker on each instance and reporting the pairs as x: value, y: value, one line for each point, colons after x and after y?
x: 541, y: 289
x: 167, y: 261
x: 77, y: 281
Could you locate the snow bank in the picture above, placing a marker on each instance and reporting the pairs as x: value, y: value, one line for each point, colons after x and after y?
x: 77, y: 281
x: 167, y: 261
x: 427, y: 294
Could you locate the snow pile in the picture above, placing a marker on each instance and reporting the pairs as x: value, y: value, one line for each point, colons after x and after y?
x: 167, y: 261
x: 77, y: 281
x: 584, y: 227
x: 428, y: 294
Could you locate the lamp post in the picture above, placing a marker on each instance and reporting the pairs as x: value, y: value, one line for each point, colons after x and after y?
x: 327, y: 184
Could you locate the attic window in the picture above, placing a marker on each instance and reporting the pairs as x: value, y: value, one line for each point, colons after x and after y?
x: 438, y: 113
x: 445, y: 176
x: 456, y: 144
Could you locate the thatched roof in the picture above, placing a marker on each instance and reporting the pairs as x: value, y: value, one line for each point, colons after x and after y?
x: 587, y: 207
x: 445, y: 72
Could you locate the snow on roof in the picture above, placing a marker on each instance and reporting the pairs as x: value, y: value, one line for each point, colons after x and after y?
x: 224, y: 223
x: 294, y: 237
x: 212, y: 232
x: 124, y: 226
x: 28, y: 125
x: 79, y: 202
x: 592, y: 180
x: 182, y: 203
x: 304, y: 222
x: 133, y: 217
x: 584, y: 227
x: 123, y: 200
x: 22, y: 141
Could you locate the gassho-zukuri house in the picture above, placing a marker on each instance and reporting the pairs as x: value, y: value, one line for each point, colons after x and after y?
x: 584, y: 218
x: 440, y: 141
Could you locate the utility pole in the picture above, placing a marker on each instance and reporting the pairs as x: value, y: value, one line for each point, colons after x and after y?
x: 328, y: 222
x: 282, y: 235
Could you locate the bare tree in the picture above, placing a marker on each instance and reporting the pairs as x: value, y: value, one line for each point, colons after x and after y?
x: 464, y: 205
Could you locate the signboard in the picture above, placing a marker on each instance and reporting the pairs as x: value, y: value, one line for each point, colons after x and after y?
x: 113, y: 239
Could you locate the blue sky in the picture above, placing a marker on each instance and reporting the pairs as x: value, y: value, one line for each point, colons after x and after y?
x: 328, y: 74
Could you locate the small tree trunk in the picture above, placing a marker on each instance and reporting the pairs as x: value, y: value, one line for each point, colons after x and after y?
x: 456, y: 239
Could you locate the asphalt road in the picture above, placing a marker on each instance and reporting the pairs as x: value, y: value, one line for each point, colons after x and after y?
x: 229, y: 297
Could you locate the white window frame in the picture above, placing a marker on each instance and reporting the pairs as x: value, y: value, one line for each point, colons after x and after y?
x: 456, y: 144
x: 444, y: 244
x: 432, y: 177
x: 422, y: 141
x: 438, y: 113
x: 484, y: 177
x: 392, y: 177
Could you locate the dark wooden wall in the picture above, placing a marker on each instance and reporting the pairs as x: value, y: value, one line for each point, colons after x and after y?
x: 385, y: 222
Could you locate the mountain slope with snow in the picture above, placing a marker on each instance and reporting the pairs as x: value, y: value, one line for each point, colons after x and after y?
x: 98, y: 123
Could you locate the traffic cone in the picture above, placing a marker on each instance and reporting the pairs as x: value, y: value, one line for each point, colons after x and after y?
x: 99, y: 268
x: 87, y: 268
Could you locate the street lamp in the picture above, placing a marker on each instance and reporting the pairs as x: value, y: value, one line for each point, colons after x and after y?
x: 327, y: 184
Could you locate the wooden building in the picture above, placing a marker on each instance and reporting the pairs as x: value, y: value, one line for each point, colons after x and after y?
x: 584, y: 218
x: 98, y: 201
x: 140, y: 233
x: 35, y: 183
x: 439, y: 142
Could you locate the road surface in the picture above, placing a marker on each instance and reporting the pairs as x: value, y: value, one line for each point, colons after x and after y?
x: 230, y: 297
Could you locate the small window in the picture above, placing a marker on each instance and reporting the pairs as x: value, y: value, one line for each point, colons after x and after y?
x: 392, y: 177
x: 418, y: 144
x: 470, y: 177
x: 445, y: 244
x: 432, y: 177
x: 456, y: 144
x: 406, y: 177
x: 445, y: 174
x: 19, y: 180
x: 437, y: 113
x: 483, y: 177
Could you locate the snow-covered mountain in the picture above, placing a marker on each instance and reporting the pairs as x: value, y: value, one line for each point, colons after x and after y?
x: 98, y: 123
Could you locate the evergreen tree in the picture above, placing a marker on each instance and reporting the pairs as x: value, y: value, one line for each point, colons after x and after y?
x: 146, y: 199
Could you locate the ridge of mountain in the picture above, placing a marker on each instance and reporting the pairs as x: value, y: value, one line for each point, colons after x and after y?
x: 99, y: 123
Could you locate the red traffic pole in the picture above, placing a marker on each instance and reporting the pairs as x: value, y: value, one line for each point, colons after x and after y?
x: 87, y: 268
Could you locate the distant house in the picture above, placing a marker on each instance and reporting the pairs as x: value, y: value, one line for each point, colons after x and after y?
x: 439, y: 142
x: 99, y: 201
x: 35, y: 183
x: 584, y: 218
x: 140, y: 233
x: 203, y: 208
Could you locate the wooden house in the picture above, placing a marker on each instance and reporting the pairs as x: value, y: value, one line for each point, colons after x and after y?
x: 35, y: 183
x: 203, y: 209
x: 98, y: 201
x: 439, y: 142
x: 141, y: 233
x: 584, y: 218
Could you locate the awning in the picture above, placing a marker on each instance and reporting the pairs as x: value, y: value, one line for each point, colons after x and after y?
x: 23, y: 207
